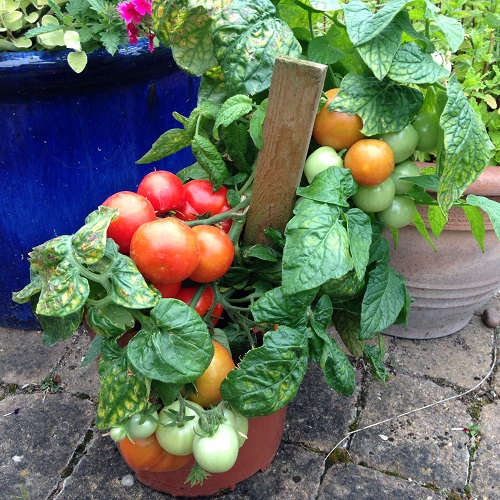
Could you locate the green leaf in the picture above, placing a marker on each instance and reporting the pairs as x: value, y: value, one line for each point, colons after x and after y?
x: 167, y: 392
x: 256, y: 123
x: 31, y: 289
x: 359, y: 231
x: 109, y: 320
x: 476, y: 221
x: 375, y: 356
x: 453, y: 31
x: 346, y: 323
x: 77, y: 61
x: 382, y: 105
x: 247, y: 38
x: 466, y: 146
x: 210, y: 160
x: 167, y: 144
x: 344, y: 288
x: 436, y: 219
x: 276, y: 307
x: 316, y: 249
x: 338, y: 371
x: 321, y: 51
x: 128, y: 287
x: 93, y: 351
x: 378, y: 53
x: 176, y: 348
x: 411, y: 65
x: 384, y: 298
x: 363, y: 26
x: 236, y: 140
x: 422, y: 229
x: 491, y: 207
x: 332, y: 185
x: 234, y: 108
x: 57, y: 329
x: 268, y: 377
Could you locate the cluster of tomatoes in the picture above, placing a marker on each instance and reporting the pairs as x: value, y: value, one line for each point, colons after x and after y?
x: 378, y: 164
x: 152, y: 226
x: 174, y: 257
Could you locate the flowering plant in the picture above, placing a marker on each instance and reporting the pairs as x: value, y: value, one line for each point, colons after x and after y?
x: 82, y: 26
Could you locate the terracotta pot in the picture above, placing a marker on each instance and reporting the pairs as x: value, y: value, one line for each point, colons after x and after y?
x: 448, y: 285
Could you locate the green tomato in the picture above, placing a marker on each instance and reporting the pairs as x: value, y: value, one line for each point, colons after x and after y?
x: 217, y: 453
x: 374, y: 198
x: 238, y: 422
x: 399, y: 213
x: 177, y: 438
x: 404, y: 169
x: 118, y: 433
x: 402, y: 143
x: 320, y: 160
x: 427, y: 127
x: 142, y: 426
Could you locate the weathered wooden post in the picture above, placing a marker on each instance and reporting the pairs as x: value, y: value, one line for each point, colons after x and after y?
x: 293, y: 101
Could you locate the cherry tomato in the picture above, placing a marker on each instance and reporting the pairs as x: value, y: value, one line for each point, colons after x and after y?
x: 370, y: 161
x: 133, y: 211
x: 226, y: 224
x: 336, y: 129
x: 319, y: 160
x: 204, y: 303
x: 374, y: 198
x: 147, y: 454
x: 203, y: 199
x: 402, y: 143
x: 165, y: 250
x: 217, y: 453
x: 163, y: 189
x: 144, y: 429
x: 404, y: 169
x: 168, y: 290
x: 399, y: 213
x: 216, y: 254
x: 208, y: 384
x: 427, y: 126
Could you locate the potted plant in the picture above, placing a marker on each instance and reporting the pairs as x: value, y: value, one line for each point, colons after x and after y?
x: 60, y: 135
x: 280, y: 289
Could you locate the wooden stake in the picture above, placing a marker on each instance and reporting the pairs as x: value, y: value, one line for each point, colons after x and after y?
x: 293, y: 101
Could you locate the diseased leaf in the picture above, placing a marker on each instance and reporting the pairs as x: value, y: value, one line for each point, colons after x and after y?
x: 167, y: 144
x: 109, y: 320
x: 268, y: 377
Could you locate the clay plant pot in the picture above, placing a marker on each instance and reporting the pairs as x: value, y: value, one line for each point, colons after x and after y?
x: 450, y: 284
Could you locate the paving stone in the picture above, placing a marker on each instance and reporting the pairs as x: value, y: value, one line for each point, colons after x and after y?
x: 446, y: 357
x: 23, y: 357
x: 319, y: 417
x: 421, y: 446
x: 485, y: 480
x: 38, y: 442
x: 352, y: 482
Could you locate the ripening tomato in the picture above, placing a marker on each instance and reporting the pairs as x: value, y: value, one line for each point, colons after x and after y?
x: 370, y: 161
x: 216, y: 254
x: 133, y: 211
x: 163, y: 189
x: 208, y: 384
x: 147, y: 454
x: 204, y: 303
x: 336, y: 129
x: 165, y: 250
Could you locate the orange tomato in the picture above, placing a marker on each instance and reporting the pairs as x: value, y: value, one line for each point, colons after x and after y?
x: 371, y: 161
x: 208, y: 385
x: 336, y: 129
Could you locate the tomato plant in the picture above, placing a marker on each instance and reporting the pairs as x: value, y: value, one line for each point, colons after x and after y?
x: 399, y: 213
x: 204, y: 303
x: 217, y: 452
x: 208, y: 385
x: 165, y: 250
x: 336, y: 129
x: 320, y: 160
x: 427, y: 126
x: 402, y: 143
x: 163, y: 189
x: 374, y: 198
x: 174, y: 435
x: 147, y: 454
x: 216, y: 254
x: 406, y: 168
x: 133, y: 211
x: 370, y: 161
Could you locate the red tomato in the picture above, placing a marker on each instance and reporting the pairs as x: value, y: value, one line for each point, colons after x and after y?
x: 147, y: 454
x: 186, y: 212
x: 216, y: 254
x: 163, y: 189
x: 133, y: 211
x: 168, y: 290
x: 201, y: 196
x: 165, y: 250
x: 226, y: 224
x: 204, y: 303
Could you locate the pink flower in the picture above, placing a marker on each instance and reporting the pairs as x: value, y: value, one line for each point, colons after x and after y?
x: 128, y: 11
x: 142, y: 6
x: 151, y: 37
x: 133, y: 33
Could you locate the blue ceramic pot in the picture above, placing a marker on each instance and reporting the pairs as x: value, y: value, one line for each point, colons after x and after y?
x: 68, y: 141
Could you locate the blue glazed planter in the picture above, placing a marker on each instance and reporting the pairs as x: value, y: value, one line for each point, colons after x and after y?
x: 68, y: 141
